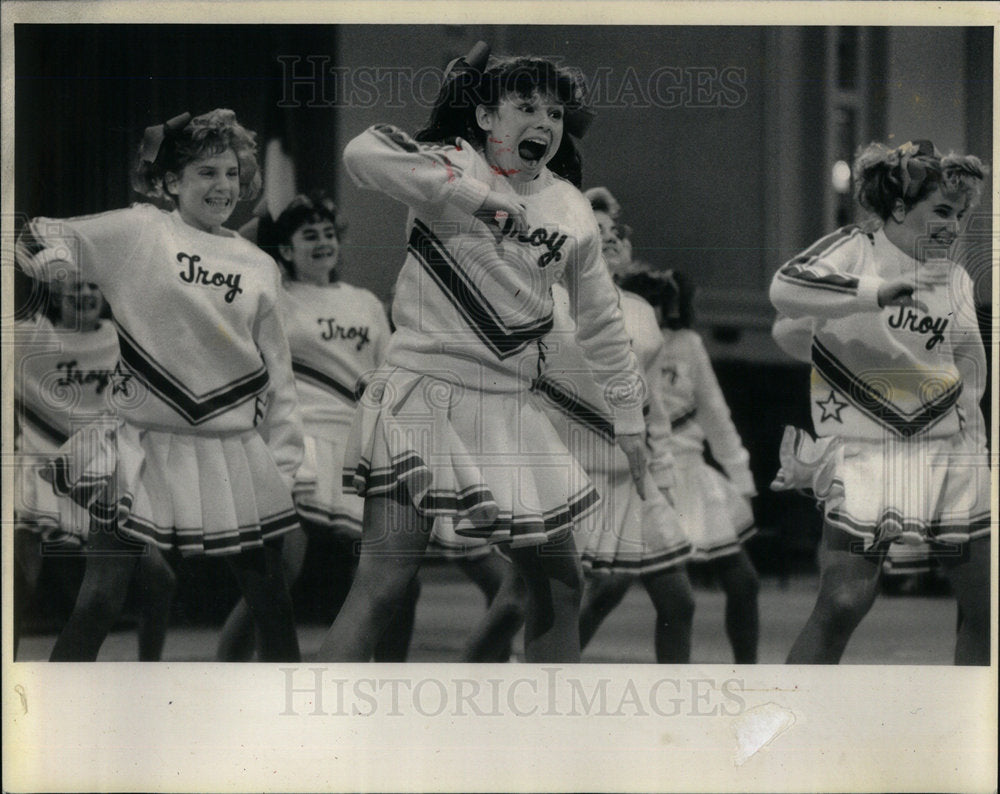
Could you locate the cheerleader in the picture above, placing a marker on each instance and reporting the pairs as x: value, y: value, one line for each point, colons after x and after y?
x: 898, y: 373
x: 208, y: 439
x: 714, y: 510
x: 63, y: 379
x: 629, y: 537
x: 903, y: 560
x: 336, y: 333
x: 488, y: 570
x: 450, y: 428
x: 715, y: 507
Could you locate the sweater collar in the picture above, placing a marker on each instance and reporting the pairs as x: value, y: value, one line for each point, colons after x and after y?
x: 536, y: 185
x: 227, y: 234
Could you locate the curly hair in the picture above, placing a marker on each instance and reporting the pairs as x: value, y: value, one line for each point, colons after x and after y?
x: 910, y: 173
x: 454, y: 112
x: 204, y: 136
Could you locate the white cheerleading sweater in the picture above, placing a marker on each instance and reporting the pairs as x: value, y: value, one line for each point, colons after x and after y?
x: 202, y: 346
x: 698, y: 410
x: 895, y: 371
x: 472, y: 299
x: 336, y: 333
x: 572, y: 386
x: 64, y: 379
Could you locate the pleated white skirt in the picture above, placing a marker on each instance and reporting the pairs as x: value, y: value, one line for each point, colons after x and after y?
x: 490, y: 462
x: 201, y: 494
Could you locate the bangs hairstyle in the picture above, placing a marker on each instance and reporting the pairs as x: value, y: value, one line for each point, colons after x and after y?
x: 525, y: 76
x: 313, y: 207
x: 454, y: 112
x: 306, y: 208
x: 879, y: 181
x: 204, y: 136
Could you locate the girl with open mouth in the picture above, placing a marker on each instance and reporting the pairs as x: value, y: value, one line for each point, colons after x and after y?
x: 449, y: 428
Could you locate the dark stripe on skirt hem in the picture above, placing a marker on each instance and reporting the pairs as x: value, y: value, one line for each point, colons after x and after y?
x: 667, y: 559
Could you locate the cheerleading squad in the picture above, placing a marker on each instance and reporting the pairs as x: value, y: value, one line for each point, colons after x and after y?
x: 537, y: 411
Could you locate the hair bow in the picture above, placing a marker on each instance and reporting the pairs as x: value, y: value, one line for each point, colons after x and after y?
x: 153, y: 137
x: 601, y: 199
x: 316, y: 200
x: 578, y: 120
x: 475, y: 59
x: 913, y: 156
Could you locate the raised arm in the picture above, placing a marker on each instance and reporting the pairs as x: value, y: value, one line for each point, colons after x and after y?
x: 51, y: 249
x: 386, y: 159
x: 822, y: 280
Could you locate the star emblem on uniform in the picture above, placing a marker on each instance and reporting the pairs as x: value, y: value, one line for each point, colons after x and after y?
x: 831, y: 407
x: 121, y: 380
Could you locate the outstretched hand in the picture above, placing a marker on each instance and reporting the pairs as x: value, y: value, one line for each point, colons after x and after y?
x: 634, y: 447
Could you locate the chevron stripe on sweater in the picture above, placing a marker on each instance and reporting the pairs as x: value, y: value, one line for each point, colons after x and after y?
x: 195, y: 408
x: 505, y: 341
x: 867, y: 400
x: 323, y: 381
x: 575, y: 408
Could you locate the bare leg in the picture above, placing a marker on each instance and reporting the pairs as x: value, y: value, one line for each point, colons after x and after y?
x: 554, y: 582
x: 156, y: 582
x: 238, y: 636
x: 393, y: 542
x: 670, y: 592
x: 491, y: 639
x: 395, y: 642
x: 602, y: 595
x: 262, y: 580
x: 742, y: 586
x: 487, y: 573
x: 970, y: 579
x: 847, y: 589
x: 111, y: 561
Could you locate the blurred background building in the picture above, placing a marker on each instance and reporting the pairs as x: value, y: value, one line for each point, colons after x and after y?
x: 727, y: 147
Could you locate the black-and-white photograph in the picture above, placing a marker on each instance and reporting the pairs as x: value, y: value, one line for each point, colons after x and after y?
x: 616, y: 375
